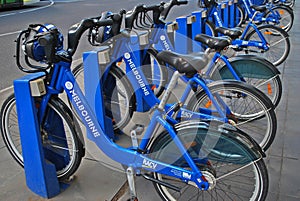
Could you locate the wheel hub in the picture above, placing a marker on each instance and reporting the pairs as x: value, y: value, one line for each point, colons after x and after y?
x: 211, y: 179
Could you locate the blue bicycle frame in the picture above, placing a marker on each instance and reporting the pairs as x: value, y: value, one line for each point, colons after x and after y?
x: 274, y: 17
x: 63, y: 80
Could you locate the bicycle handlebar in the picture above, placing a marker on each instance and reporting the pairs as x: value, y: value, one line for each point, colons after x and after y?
x: 160, y: 11
x: 169, y: 5
x: 76, y: 31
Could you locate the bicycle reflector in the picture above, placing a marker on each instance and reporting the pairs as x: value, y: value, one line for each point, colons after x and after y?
x: 31, y: 46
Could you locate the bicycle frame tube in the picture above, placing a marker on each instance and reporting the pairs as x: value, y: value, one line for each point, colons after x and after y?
x: 224, y: 58
x: 243, y: 43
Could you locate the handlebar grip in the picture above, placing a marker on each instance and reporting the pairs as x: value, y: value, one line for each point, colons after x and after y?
x: 184, y: 2
x: 106, y: 22
x: 169, y: 5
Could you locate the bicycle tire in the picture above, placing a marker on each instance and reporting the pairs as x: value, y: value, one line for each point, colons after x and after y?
x: 257, y: 72
x: 209, y: 28
x: 289, y: 3
x: 241, y: 16
x: 286, y: 14
x: 256, y: 116
x: 115, y: 75
x: 9, y: 122
x: 248, y: 183
x: 274, y: 36
x: 159, y: 88
x: 115, y: 98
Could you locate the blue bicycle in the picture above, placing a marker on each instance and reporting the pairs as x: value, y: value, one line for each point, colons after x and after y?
x: 263, y: 40
x: 124, y: 96
x: 187, y: 161
x: 279, y: 15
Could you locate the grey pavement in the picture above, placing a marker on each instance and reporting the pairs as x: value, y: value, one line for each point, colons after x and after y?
x: 99, y: 179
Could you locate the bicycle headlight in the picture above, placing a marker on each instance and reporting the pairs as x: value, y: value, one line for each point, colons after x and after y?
x: 31, y: 46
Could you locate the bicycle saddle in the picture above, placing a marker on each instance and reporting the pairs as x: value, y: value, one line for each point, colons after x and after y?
x: 216, y: 43
x: 233, y: 33
x: 261, y: 8
x: 189, y: 64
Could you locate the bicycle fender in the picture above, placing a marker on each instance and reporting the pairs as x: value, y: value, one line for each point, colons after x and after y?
x: 255, y: 66
x: 264, y: 61
x: 212, y: 141
x: 221, y: 142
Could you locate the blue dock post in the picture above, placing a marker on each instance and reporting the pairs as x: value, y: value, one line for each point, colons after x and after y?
x: 40, y: 173
x: 94, y: 66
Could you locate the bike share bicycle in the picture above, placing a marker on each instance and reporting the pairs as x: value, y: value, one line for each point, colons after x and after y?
x: 264, y: 40
x: 188, y: 160
x: 279, y: 14
x: 264, y: 129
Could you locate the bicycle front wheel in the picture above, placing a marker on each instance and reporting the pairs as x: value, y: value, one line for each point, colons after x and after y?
x: 240, y: 16
x: 119, y: 99
x: 277, y: 39
x: 228, y: 180
x: 251, y: 110
x: 67, y: 144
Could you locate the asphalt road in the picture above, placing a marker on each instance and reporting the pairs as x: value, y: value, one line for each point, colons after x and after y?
x: 63, y: 14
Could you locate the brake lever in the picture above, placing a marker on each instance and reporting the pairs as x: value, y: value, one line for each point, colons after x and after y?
x: 148, y: 20
x: 136, y: 23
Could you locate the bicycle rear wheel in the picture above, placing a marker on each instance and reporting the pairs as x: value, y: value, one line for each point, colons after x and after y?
x: 69, y: 144
x: 228, y: 180
x: 250, y: 109
x: 286, y: 14
x: 278, y: 40
x: 255, y: 71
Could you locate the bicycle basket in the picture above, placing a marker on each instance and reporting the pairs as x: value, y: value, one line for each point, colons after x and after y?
x: 31, y: 46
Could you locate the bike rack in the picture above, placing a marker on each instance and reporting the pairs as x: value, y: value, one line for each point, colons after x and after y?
x: 183, y: 42
x: 93, y: 88
x: 197, y: 28
x: 224, y: 13
x: 39, y: 162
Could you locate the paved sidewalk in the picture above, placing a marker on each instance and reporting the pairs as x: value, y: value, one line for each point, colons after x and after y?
x: 99, y: 181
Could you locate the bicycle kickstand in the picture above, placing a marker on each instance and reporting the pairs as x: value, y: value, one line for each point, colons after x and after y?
x: 130, y: 179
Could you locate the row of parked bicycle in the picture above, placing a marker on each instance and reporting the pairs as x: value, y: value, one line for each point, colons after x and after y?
x: 215, y: 134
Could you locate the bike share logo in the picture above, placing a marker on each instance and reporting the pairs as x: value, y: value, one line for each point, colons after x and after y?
x: 218, y: 18
x: 164, y: 41
x: 138, y: 77
x: 149, y: 164
x: 82, y: 110
x: 186, y: 114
